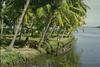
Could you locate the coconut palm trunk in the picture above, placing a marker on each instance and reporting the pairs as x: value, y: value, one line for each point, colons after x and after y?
x: 19, y: 23
x: 63, y: 34
x: 52, y: 31
x: 2, y: 17
x: 44, y: 34
x: 2, y: 20
x: 20, y: 35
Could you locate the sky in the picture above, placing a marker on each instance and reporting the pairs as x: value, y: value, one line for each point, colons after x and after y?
x: 93, y: 14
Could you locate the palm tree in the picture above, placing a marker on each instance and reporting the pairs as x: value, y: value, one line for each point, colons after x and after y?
x: 20, y: 21
x: 65, y: 14
x: 2, y: 16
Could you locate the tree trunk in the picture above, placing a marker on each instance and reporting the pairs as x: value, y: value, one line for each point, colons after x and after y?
x: 13, y: 28
x: 19, y: 23
x: 21, y: 31
x: 52, y: 31
x: 58, y: 38
x: 63, y: 34
x: 2, y: 20
x: 44, y: 34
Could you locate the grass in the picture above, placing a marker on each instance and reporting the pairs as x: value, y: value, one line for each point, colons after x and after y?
x: 24, y: 55
x: 17, y: 56
x: 11, y: 58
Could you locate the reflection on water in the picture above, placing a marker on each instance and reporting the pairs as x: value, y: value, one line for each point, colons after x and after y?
x: 85, y: 52
x: 70, y: 59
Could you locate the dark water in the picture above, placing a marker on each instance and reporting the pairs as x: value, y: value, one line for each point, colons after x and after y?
x: 85, y: 52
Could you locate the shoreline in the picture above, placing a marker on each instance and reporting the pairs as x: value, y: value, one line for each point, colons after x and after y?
x: 25, y: 55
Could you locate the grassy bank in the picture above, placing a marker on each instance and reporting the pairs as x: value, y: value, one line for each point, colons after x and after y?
x: 17, y: 56
x: 26, y: 55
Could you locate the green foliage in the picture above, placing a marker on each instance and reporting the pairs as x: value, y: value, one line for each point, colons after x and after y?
x: 42, y: 15
x: 42, y: 19
x: 11, y: 58
x: 66, y: 12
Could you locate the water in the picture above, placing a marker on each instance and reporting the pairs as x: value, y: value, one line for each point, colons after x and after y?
x: 89, y: 44
x: 85, y: 52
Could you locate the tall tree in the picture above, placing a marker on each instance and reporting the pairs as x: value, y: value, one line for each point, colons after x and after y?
x: 2, y: 16
x: 19, y: 23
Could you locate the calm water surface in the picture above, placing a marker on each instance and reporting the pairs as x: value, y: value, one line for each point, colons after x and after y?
x: 85, y: 52
x: 89, y: 44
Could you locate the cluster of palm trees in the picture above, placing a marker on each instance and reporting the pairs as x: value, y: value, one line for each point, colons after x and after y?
x: 46, y: 17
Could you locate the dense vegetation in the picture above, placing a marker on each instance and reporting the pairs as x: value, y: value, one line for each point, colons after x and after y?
x: 42, y: 20
x: 38, y: 24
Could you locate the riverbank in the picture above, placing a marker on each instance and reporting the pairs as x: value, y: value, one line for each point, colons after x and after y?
x: 25, y: 55
x: 18, y: 56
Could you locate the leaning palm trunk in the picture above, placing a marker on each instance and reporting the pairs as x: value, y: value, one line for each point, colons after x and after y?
x: 44, y: 34
x: 69, y: 33
x: 20, y: 35
x: 52, y: 31
x: 63, y: 34
x: 2, y: 20
x: 19, y: 23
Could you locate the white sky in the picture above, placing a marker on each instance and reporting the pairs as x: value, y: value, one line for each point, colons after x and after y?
x: 93, y: 14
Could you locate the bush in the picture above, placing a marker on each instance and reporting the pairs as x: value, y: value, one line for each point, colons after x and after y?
x: 11, y: 58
